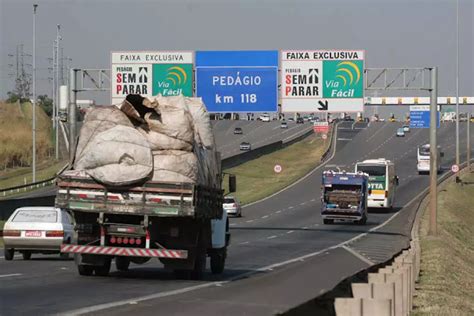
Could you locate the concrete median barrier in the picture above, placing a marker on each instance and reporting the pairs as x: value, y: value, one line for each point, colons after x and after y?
x: 363, y: 307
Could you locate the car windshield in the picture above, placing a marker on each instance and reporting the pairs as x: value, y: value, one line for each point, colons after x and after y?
x: 229, y: 200
x: 372, y: 170
x: 400, y: 129
x: 36, y: 216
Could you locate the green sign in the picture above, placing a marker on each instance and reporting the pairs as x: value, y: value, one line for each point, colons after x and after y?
x: 172, y: 79
x: 343, y: 79
x: 377, y: 182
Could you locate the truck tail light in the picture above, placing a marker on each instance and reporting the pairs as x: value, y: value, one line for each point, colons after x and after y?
x: 386, y: 194
x: 11, y: 233
x: 119, y: 240
x: 113, y: 197
x: 138, y: 241
x: 125, y: 240
x: 55, y: 233
x: 113, y: 240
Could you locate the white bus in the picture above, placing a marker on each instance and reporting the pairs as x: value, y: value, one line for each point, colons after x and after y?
x: 382, y: 181
x: 423, y: 159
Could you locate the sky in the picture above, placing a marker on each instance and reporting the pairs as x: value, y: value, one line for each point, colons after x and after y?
x: 394, y: 33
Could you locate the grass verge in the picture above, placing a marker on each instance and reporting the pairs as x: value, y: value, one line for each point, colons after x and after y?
x: 256, y: 178
x: 447, y: 260
x: 18, y: 177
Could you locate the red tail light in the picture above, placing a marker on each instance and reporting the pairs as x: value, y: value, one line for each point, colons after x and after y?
x: 113, y: 240
x: 132, y: 241
x: 125, y: 240
x: 82, y: 196
x: 112, y: 197
x: 55, y: 233
x: 138, y: 241
x: 119, y: 240
x: 11, y: 233
x: 157, y: 200
x: 386, y: 194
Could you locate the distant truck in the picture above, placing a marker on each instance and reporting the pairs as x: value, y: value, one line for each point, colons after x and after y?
x: 344, y: 197
x: 382, y: 181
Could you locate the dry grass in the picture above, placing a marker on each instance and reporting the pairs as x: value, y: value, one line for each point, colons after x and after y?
x: 16, y: 135
x: 256, y: 179
x: 447, y: 278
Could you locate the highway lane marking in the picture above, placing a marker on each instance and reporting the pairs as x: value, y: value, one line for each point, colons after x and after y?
x: 302, y: 203
x: 244, y: 243
x: 301, y: 179
x: 249, y: 221
x: 278, y: 212
x: 358, y: 255
x: 233, y: 224
x: 345, y: 139
x: 271, y: 237
x: 373, y: 135
x: 290, y: 231
x: 266, y: 216
x: 290, y: 207
x: 10, y: 275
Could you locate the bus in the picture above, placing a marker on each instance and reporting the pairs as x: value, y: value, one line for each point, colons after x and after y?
x: 423, y: 159
x: 382, y: 181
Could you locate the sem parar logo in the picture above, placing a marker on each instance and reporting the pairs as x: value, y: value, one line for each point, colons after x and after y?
x: 172, y: 79
x: 343, y: 79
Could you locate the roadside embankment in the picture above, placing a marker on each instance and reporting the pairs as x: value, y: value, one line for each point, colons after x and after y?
x: 446, y: 284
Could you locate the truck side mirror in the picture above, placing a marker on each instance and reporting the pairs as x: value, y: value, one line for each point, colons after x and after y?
x: 232, y: 183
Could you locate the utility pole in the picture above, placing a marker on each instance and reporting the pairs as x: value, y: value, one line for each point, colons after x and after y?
x: 433, y: 152
x: 35, y: 6
x: 56, y: 95
x: 72, y: 113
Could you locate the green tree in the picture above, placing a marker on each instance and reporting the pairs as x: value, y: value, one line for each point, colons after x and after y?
x: 46, y: 104
x: 14, y: 97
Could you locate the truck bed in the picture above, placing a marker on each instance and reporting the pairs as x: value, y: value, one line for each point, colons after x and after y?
x: 77, y: 191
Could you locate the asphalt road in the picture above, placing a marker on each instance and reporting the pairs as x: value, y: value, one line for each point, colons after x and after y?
x: 281, y: 253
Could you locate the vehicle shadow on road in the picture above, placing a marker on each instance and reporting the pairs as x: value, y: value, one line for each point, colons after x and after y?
x: 374, y: 210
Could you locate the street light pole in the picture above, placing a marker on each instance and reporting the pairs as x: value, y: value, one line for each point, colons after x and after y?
x: 35, y: 6
x: 457, y: 83
x: 56, y: 96
x: 433, y: 152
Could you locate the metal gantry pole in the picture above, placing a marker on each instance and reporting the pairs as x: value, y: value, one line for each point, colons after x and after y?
x: 35, y: 6
x: 468, y: 140
x: 457, y: 83
x: 72, y: 113
x: 433, y: 152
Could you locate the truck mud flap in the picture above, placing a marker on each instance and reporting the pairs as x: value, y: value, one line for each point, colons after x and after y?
x: 128, y: 252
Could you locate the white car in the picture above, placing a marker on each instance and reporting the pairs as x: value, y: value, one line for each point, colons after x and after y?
x: 400, y: 132
x: 40, y: 229
x: 406, y: 128
x: 232, y: 206
x: 264, y: 118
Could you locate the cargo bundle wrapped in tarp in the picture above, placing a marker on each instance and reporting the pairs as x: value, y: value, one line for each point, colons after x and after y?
x: 167, y: 139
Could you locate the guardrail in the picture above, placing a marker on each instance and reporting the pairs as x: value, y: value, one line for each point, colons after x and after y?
x: 26, y: 187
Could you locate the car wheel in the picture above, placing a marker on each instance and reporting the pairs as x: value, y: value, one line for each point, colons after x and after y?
x: 26, y: 255
x: 9, y: 253
x: 85, y: 269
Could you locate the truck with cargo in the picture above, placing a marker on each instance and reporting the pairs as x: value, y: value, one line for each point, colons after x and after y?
x: 166, y: 214
x: 344, y: 197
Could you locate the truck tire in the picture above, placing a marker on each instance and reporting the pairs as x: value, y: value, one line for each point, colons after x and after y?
x: 85, y: 269
x: 328, y: 221
x: 218, y: 261
x: 122, y: 263
x: 9, y: 254
x: 104, y: 269
x: 199, y: 265
x: 26, y: 255
x: 363, y: 220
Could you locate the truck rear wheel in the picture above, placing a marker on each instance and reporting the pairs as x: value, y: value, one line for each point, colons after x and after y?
x: 85, y: 269
x: 104, y: 269
x: 199, y: 265
x: 218, y: 261
x: 122, y: 263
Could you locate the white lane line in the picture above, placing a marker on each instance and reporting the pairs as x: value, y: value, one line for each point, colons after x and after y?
x: 290, y: 207
x: 290, y: 231
x: 244, y: 243
x: 249, y: 221
x: 10, y: 275
x: 278, y: 212
x: 303, y: 203
x: 266, y: 216
x: 306, y: 227
x: 313, y: 200
x: 358, y: 255
x: 233, y: 224
x: 271, y: 237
